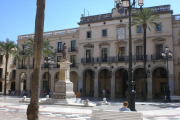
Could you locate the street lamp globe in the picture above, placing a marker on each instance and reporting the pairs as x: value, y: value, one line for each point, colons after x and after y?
x: 167, y: 48
x: 140, y: 3
x: 163, y: 54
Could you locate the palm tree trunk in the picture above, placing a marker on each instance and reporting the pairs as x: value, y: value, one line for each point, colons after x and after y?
x: 33, y: 107
x: 144, y: 63
x: 7, y: 57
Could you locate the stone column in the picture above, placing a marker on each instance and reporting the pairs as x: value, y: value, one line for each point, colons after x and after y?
x: 149, y: 92
x: 113, y: 87
x: 17, y: 83
x: 96, y: 86
x: 52, y: 83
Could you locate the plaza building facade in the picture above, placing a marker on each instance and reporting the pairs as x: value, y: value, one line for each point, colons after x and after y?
x: 92, y: 48
x: 11, y: 73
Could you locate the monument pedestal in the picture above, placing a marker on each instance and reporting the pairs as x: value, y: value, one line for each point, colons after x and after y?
x: 64, y: 93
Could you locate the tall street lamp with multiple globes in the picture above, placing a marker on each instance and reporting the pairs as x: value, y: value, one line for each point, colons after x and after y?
x: 130, y: 93
x: 167, y: 54
x: 49, y: 61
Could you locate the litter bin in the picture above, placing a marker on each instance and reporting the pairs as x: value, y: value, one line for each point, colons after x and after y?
x: 78, y: 94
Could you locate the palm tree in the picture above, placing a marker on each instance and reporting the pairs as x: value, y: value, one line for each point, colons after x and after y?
x: 33, y: 107
x: 29, y: 51
x: 146, y: 19
x: 7, y: 48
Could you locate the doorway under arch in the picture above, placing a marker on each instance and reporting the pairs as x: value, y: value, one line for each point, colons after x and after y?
x: 88, y: 83
x: 121, y: 76
x: 74, y: 80
x: 23, y: 83
x: 138, y: 78
x: 159, y: 82
x: 46, y: 84
x: 1, y: 86
x: 104, y: 82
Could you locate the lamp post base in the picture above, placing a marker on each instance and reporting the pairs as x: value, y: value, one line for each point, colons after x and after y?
x: 131, y: 97
x: 168, y: 98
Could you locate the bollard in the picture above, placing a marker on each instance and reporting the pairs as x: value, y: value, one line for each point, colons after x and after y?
x: 24, y: 98
x: 47, y: 96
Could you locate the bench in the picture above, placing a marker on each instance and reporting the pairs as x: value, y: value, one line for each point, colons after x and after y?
x: 174, y: 98
x: 115, y: 115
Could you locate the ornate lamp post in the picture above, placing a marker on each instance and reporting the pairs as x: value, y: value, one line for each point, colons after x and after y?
x: 49, y: 61
x: 130, y: 93
x: 167, y: 54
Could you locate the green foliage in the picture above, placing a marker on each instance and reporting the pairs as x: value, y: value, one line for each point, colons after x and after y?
x: 29, y: 50
x: 145, y: 17
x: 9, y: 47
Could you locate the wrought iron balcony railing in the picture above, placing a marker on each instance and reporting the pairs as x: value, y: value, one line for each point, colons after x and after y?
x: 56, y: 66
x: 87, y: 60
x: 31, y: 66
x: 74, y: 65
x: 58, y: 51
x: 45, y: 66
x: 22, y: 67
x: 72, y: 49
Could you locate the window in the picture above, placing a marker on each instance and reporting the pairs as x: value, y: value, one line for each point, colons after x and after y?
x: 73, y: 45
x: 159, y: 49
x: 163, y: 87
x: 139, y: 52
x: 88, y: 55
x: 122, y: 51
x: 104, y: 54
x: 1, y: 71
x: 44, y: 76
x: 139, y: 29
x: 14, y: 61
x: 1, y: 59
x: 88, y: 34
x: 23, y: 47
x: 23, y: 62
x: 158, y: 27
x: 104, y: 33
x: 13, y: 74
x: 59, y: 46
x: 58, y: 60
x: 73, y: 60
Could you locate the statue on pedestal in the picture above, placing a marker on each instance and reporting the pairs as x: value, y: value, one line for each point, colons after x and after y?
x: 64, y: 52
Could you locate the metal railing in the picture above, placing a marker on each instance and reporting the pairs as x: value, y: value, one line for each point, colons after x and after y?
x: 58, y: 51
x: 22, y: 67
x: 31, y: 66
x: 178, y: 60
x: 122, y: 58
x: 45, y: 66
x: 75, y: 65
x: 87, y: 60
x: 156, y: 57
x: 106, y: 59
x: 72, y: 49
x: 56, y: 66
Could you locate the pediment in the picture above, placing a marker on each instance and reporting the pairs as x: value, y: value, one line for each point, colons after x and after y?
x: 138, y: 41
x: 104, y: 44
x: 89, y: 45
x: 158, y: 39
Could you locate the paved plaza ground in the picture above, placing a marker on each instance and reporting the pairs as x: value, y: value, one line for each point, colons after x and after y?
x: 12, y: 109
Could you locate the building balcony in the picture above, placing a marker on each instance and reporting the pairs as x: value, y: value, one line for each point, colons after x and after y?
x: 72, y: 49
x: 31, y: 66
x: 87, y: 60
x: 122, y: 58
x: 179, y: 61
x: 106, y: 59
x: 58, y: 51
x: 45, y: 66
x: 75, y: 65
x: 22, y: 67
x: 56, y: 66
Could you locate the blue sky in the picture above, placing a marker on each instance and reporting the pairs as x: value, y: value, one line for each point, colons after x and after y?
x: 17, y: 17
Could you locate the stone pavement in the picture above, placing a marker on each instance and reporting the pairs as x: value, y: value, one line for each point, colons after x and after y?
x: 11, y: 109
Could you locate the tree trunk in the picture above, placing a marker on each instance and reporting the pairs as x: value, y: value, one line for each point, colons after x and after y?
x: 144, y: 65
x: 7, y: 57
x: 33, y: 107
